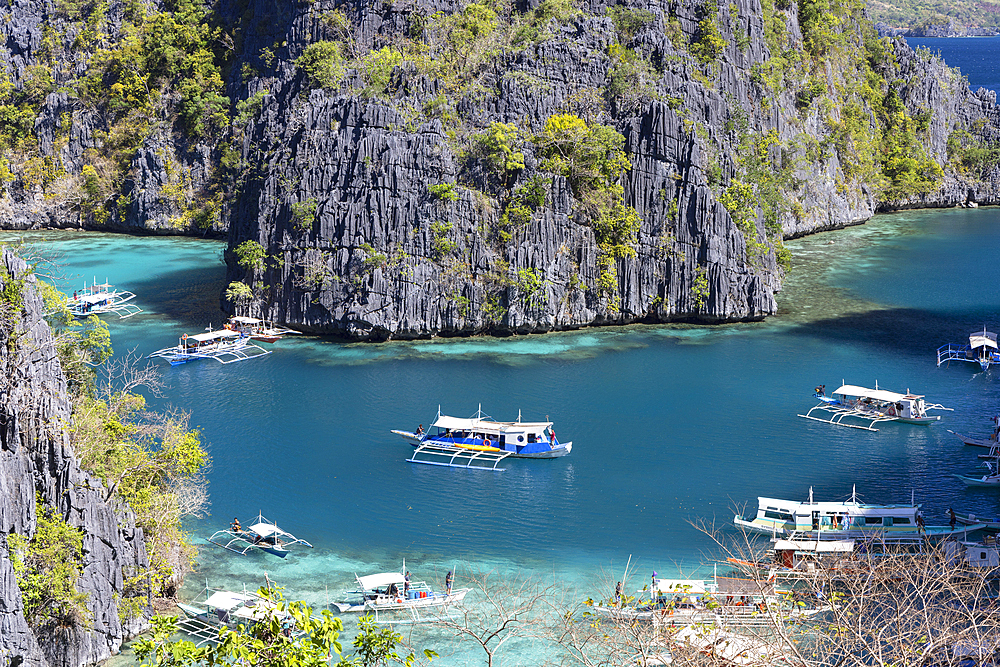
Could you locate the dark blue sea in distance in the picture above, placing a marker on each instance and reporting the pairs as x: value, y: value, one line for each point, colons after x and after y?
x: 670, y: 424
x: 975, y: 56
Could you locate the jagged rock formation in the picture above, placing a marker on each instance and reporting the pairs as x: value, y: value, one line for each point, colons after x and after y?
x: 35, y: 457
x: 369, y: 264
x: 334, y: 179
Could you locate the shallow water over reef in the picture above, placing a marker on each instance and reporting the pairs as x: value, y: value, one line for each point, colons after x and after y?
x: 670, y: 424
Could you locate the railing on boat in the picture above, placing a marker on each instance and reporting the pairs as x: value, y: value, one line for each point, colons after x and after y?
x: 437, y: 454
x: 956, y: 352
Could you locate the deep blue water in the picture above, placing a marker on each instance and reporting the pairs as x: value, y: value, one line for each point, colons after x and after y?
x: 975, y: 56
x: 670, y: 424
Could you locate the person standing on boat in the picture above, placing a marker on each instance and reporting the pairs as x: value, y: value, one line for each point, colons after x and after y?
x: 618, y: 593
x: 406, y: 585
x: 447, y: 583
x: 952, y: 518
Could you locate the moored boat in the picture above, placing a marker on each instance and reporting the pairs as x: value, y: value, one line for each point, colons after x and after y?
x: 392, y: 592
x: 988, y: 442
x: 872, y: 406
x: 98, y: 298
x: 261, y: 534
x: 992, y: 479
x: 843, y: 520
x: 482, y: 435
x: 981, y: 349
x: 228, y: 609
x: 224, y: 346
x: 257, y: 329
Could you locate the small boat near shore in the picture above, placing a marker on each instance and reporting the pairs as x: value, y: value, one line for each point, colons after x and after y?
x: 989, y: 442
x: 992, y: 479
x: 844, y: 520
x: 872, y: 406
x: 386, y: 592
x: 479, y: 440
x: 224, y: 346
x: 981, y: 349
x: 261, y: 534
x: 99, y: 298
x: 968, y: 518
x: 228, y: 609
x: 257, y: 329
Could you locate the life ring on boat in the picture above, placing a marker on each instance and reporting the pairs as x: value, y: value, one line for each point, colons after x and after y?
x: 399, y: 600
x: 184, y: 336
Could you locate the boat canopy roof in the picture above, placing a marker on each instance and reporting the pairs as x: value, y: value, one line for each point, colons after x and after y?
x: 680, y: 586
x: 244, y: 320
x: 99, y: 297
x: 983, y: 338
x: 841, y: 507
x: 373, y: 581
x: 875, y: 394
x: 267, y: 530
x: 459, y: 424
x: 214, y: 335
x: 227, y: 600
x: 821, y: 547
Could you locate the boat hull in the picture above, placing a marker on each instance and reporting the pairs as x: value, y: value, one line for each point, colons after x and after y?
x: 989, y: 481
x: 403, y: 604
x: 976, y: 442
x: 931, y: 533
x: 562, y: 449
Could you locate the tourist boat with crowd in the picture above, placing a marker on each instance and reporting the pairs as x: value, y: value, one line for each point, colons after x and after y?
x: 843, y: 520
x: 720, y: 602
x: 871, y: 406
x: 981, y: 349
x: 224, y: 346
x: 479, y: 441
x: 99, y: 298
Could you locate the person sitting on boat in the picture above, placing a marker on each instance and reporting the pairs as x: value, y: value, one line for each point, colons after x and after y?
x: 235, y: 527
x: 420, y: 429
x: 821, y: 390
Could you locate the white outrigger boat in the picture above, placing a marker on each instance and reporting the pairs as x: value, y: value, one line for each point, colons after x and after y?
x: 989, y: 443
x: 257, y: 329
x: 224, y: 346
x: 982, y: 349
x: 844, y: 520
x: 226, y: 609
x: 262, y: 534
x: 387, y: 593
x: 797, y: 560
x: 97, y: 299
x: 873, y: 406
x: 992, y: 479
x: 479, y: 441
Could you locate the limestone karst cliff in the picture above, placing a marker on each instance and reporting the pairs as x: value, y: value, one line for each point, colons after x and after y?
x: 36, y: 459
x: 404, y: 169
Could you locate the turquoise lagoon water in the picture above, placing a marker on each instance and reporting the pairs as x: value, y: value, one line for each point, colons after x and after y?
x: 670, y: 424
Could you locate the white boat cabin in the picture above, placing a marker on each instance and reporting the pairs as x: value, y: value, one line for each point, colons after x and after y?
x: 209, y: 339
x: 497, y: 434
x: 785, y: 517
x: 890, y: 403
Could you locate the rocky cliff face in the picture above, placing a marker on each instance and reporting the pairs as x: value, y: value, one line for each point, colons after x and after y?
x: 35, y: 458
x: 373, y: 260
x: 359, y: 168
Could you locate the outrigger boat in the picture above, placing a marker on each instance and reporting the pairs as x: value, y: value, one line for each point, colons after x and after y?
x: 990, y: 442
x: 796, y: 560
x: 982, y: 349
x: 226, y: 609
x: 969, y: 518
x: 479, y: 441
x: 845, y: 520
x: 992, y: 479
x: 378, y: 594
x: 257, y: 329
x: 723, y: 602
x: 873, y: 406
x: 97, y: 299
x: 224, y: 346
x: 262, y: 534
